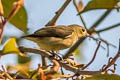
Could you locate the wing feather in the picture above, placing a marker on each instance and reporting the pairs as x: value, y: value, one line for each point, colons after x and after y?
x: 58, y: 31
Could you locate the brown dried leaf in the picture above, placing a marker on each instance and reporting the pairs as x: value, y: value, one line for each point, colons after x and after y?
x: 80, y: 6
x: 22, y: 68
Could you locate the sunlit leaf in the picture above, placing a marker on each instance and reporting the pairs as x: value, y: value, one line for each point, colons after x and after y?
x: 33, y: 74
x: 77, y: 51
x: 104, y: 77
x: 11, y: 47
x: 100, y: 4
x: 20, y: 19
x: 22, y: 68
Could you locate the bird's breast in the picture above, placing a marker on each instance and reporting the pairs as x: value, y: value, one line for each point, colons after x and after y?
x: 55, y: 44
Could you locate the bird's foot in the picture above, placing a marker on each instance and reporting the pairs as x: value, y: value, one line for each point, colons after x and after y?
x: 55, y: 54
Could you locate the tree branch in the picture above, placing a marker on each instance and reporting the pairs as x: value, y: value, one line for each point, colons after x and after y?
x: 101, y: 19
x: 66, y: 66
x: 74, y: 2
x: 108, y: 28
x: 58, y: 13
x: 72, y: 49
x: 93, y: 56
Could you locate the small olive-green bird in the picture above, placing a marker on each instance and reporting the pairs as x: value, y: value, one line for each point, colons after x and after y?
x: 55, y: 38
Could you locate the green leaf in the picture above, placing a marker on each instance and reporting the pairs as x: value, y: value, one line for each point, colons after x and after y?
x: 77, y: 51
x: 23, y: 60
x: 19, y: 20
x: 11, y: 47
x: 100, y: 4
x: 104, y: 77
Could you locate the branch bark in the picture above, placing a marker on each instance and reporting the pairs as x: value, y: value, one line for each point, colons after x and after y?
x: 93, y: 56
x: 66, y: 66
x: 113, y: 60
x: 72, y: 49
x: 58, y: 13
x: 108, y: 28
x: 101, y: 19
x: 75, y: 4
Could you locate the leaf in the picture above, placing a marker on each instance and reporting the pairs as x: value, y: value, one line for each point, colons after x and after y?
x: 100, y: 4
x: 22, y: 59
x: 20, y: 19
x: 77, y: 51
x: 80, y: 6
x: 11, y: 47
x: 104, y: 77
x: 22, y: 68
x: 1, y: 8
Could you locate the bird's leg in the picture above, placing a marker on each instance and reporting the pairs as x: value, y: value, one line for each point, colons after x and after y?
x: 57, y: 56
x: 51, y: 52
x: 55, y: 53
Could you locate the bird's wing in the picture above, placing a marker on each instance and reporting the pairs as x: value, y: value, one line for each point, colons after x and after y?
x: 58, y: 31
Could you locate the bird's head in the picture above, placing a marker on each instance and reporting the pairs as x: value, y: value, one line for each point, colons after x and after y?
x: 80, y: 31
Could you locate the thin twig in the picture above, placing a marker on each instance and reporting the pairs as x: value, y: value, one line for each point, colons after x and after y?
x: 112, y: 61
x: 108, y: 50
x: 83, y: 21
x: 2, y: 29
x: 108, y: 28
x: 101, y: 19
x: 62, y: 71
x: 16, y: 7
x: 104, y: 41
x: 58, y: 13
x: 75, y: 4
x: 119, y: 46
x: 93, y: 56
x: 3, y: 67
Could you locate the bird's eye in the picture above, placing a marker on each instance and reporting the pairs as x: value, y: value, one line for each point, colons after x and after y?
x: 83, y: 30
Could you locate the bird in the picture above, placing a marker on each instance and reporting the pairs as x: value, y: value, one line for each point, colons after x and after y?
x: 59, y: 37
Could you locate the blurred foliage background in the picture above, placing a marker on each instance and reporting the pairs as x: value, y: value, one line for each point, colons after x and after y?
x: 103, y: 16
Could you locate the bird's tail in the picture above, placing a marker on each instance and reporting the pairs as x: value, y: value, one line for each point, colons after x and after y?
x: 31, y: 35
